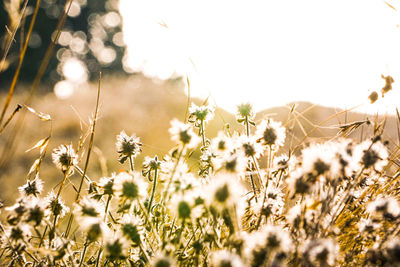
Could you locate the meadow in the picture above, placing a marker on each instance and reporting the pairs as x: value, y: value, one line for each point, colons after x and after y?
x: 132, y: 171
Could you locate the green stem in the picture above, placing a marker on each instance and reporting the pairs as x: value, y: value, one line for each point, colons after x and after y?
x: 203, y: 134
x: 165, y: 195
x: 153, y: 190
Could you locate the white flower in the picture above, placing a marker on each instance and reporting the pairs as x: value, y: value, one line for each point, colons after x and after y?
x: 387, y: 206
x: 32, y: 187
x: 372, y: 155
x: 271, y: 133
x: 89, y: 207
x: 55, y: 207
x: 183, y: 133
x: 64, y: 157
x: 199, y: 114
x: 321, y: 252
x: 250, y: 147
x: 129, y: 185
x: 127, y: 146
x: 222, y: 258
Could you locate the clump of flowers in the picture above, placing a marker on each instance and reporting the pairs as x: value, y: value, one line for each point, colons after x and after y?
x: 247, y: 202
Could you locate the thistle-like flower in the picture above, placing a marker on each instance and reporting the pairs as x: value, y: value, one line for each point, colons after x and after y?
x: 129, y: 187
x: 32, y: 187
x: 64, y: 157
x: 271, y: 133
x: 55, y: 206
x: 244, y: 111
x: 127, y: 146
x: 183, y: 133
x: 200, y: 114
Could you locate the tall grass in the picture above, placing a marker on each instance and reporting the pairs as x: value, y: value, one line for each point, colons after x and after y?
x: 243, y: 203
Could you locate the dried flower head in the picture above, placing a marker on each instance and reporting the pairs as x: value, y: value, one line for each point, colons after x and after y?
x: 129, y: 186
x: 127, y: 146
x: 64, y: 157
x: 32, y: 187
x: 55, y: 206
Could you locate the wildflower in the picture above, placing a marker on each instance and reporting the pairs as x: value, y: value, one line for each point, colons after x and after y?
x: 94, y: 227
x: 244, y: 111
x: 106, y: 184
x: 64, y: 157
x: 221, y: 144
x: 35, y: 211
x: 392, y: 251
x: 320, y: 159
x: 181, y: 205
x: 200, y: 114
x: 150, y: 164
x: 129, y: 187
x: 224, y: 190
x: 372, y: 155
x: 127, y: 146
x: 268, y: 242
x: 232, y: 163
x: 116, y: 247
x: 162, y: 261
x: 55, y: 206
x: 271, y: 133
x: 181, y: 132
x: 18, y: 233
x: 387, y: 206
x: 250, y: 147
x: 17, y: 211
x: 222, y: 258
x: 131, y: 228
x: 321, y: 252
x: 88, y: 207
x: 32, y: 187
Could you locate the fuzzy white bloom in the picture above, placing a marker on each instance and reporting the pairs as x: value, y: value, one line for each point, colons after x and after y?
x: 32, y: 187
x: 55, y: 207
x: 89, y: 207
x: 284, y: 164
x: 221, y: 258
x: 231, y: 163
x: 35, y: 210
x: 222, y: 144
x: 224, y: 190
x: 183, y: 133
x: 271, y: 133
x: 203, y: 113
x: 387, y: 206
x: 129, y: 185
x: 127, y: 146
x: 371, y: 155
x: 115, y: 246
x: 94, y: 227
x: 64, y: 157
x: 249, y: 146
x: 17, y: 233
x: 321, y: 252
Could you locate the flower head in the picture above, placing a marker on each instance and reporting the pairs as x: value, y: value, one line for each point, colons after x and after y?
x: 271, y: 133
x: 127, y: 146
x: 183, y: 133
x: 64, y: 157
x: 129, y: 186
x: 32, y: 187
x: 199, y: 114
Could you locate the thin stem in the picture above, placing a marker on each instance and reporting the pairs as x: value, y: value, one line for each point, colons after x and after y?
x: 83, y: 253
x: 165, y: 195
x: 131, y: 163
x: 153, y: 190
x: 203, y: 134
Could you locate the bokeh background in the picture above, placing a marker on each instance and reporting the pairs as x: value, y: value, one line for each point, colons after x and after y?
x: 146, y: 53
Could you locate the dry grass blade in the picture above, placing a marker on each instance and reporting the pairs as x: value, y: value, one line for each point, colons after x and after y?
x: 12, y: 36
x: 9, y: 148
x: 346, y: 129
x: 21, y: 59
x: 10, y: 118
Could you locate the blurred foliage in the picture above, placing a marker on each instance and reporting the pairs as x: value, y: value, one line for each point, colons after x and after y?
x: 91, y: 34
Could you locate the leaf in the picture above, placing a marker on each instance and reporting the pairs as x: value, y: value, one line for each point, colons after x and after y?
x: 42, y: 116
x: 42, y: 144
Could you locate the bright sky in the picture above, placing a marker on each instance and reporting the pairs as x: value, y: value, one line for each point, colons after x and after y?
x: 269, y: 52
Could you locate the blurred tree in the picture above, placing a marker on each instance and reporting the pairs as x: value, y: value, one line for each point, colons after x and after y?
x: 91, y: 40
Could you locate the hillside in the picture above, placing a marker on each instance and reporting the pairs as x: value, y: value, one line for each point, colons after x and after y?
x: 145, y: 107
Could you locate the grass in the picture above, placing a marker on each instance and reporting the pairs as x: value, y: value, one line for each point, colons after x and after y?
x: 203, y: 189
